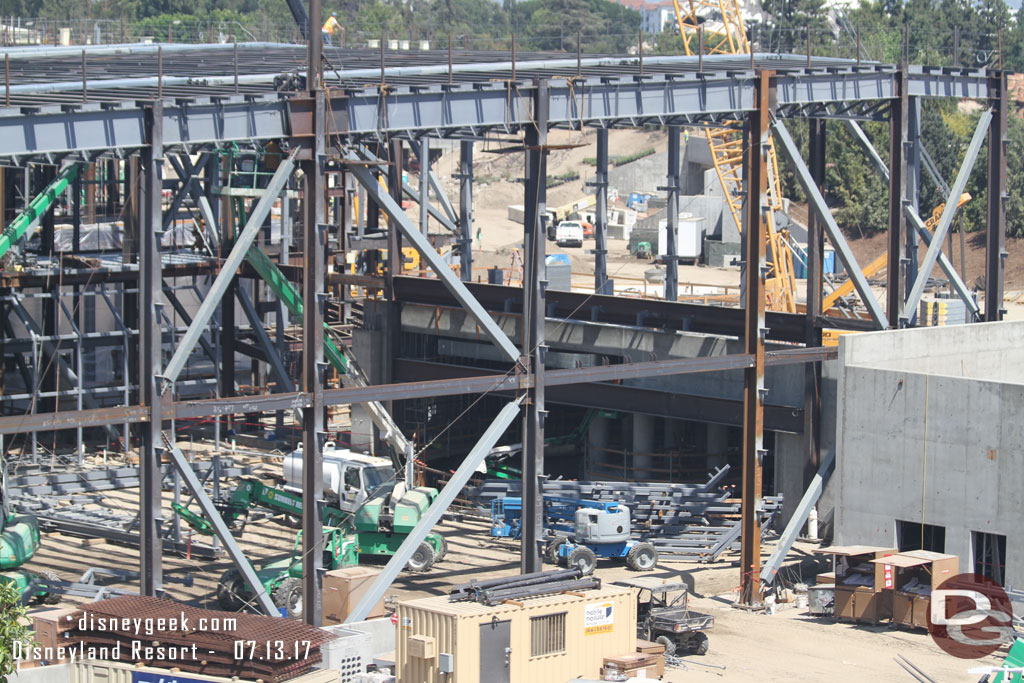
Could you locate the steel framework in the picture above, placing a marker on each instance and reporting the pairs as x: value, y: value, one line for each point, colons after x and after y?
x: 134, y: 112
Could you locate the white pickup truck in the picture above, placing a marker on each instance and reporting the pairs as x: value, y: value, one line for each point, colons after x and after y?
x: 569, y: 234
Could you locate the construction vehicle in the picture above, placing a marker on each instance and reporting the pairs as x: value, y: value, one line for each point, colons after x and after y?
x: 667, y: 620
x: 377, y: 527
x: 579, y: 532
x: 569, y: 234
x: 350, y: 478
x: 644, y: 250
x: 19, y: 542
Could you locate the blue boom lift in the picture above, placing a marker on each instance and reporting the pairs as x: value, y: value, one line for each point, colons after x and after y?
x: 579, y: 532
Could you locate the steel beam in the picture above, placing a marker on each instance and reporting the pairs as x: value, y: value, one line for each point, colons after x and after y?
x: 436, y: 510
x: 817, y: 203
x: 437, y: 264
x: 277, y: 369
x: 672, y: 217
x: 229, y: 269
x: 442, y: 196
x: 403, y: 391
x: 756, y: 226
x: 465, y: 209
x: 182, y: 312
x: 600, y: 185
x: 995, y: 238
x: 150, y: 352
x: 797, y: 521
x: 931, y: 256
x: 243, y: 565
x: 915, y: 220
x: 534, y: 349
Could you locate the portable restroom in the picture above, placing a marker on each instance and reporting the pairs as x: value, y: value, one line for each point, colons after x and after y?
x: 540, y: 640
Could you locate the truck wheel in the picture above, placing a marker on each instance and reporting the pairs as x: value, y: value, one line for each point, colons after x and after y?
x: 641, y: 557
x: 53, y: 595
x: 288, y: 594
x: 667, y: 643
x: 551, y: 549
x: 422, y: 559
x: 443, y: 545
x: 699, y: 644
x: 584, y: 559
x: 230, y: 590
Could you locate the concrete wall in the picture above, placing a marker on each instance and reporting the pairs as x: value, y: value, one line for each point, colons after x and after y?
x: 931, y: 448
x: 974, y: 351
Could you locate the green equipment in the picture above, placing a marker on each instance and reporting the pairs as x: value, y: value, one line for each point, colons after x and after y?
x: 644, y: 250
x: 19, y: 541
x: 377, y: 527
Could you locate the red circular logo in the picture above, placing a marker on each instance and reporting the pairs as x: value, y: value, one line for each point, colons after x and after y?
x: 394, y: 618
x: 970, y: 616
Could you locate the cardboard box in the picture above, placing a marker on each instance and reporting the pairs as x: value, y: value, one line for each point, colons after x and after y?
x: 344, y: 588
x: 638, y: 665
x: 648, y: 648
x: 50, y: 624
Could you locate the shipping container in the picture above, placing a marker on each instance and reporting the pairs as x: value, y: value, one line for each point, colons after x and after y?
x: 540, y: 640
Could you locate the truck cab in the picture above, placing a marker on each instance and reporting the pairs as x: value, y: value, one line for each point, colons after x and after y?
x: 349, y: 478
x: 569, y: 234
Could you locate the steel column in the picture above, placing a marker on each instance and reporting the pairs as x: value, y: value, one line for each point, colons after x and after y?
x: 600, y: 185
x: 434, y: 513
x: 995, y: 238
x: 815, y: 277
x: 756, y: 213
x: 312, y: 360
x: 898, y: 115
x: 466, y: 210
x: 932, y: 255
x: 672, y: 217
x: 534, y: 309
x: 424, y: 154
x: 150, y: 342
x: 911, y: 195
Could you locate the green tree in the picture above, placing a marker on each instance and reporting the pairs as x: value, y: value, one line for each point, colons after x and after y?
x: 11, y: 628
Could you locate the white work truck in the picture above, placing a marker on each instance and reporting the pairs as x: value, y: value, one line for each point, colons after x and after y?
x: 569, y: 234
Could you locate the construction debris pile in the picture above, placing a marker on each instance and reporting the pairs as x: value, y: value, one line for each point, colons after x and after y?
x: 496, y: 591
x: 273, y: 649
x: 700, y: 521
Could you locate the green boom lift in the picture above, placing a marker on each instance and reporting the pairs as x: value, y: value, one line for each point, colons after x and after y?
x: 378, y: 528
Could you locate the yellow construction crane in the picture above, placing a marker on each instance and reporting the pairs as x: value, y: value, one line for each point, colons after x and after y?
x: 719, y: 25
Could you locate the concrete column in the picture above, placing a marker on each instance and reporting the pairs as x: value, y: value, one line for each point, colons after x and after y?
x: 643, y: 442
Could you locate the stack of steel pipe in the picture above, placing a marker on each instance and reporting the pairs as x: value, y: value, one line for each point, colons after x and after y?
x: 496, y: 591
x: 166, y: 634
